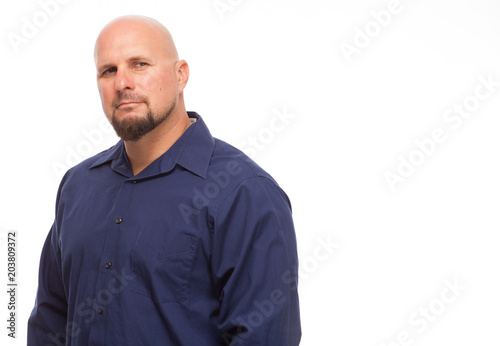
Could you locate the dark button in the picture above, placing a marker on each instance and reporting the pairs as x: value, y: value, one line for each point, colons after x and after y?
x: 134, y: 181
x: 100, y: 310
x: 108, y: 265
x: 119, y: 220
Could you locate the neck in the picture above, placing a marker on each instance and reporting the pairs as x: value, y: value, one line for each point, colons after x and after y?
x: 143, y: 152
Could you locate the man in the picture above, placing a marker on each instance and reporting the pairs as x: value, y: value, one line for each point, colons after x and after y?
x: 171, y: 237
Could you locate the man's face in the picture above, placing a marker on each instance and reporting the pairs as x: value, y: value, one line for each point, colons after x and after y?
x: 136, y: 78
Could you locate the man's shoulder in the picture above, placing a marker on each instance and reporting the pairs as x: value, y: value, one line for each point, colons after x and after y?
x: 235, y: 172
x: 228, y: 157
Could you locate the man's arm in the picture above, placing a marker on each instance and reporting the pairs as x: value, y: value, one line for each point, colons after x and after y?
x: 254, y: 263
x: 47, y: 322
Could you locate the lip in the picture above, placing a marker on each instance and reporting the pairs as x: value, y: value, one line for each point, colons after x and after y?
x: 125, y: 104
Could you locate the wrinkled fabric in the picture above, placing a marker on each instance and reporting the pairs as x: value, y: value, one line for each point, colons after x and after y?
x: 197, y: 249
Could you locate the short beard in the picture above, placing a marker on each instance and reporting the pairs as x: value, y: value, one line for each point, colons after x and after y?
x: 133, y: 129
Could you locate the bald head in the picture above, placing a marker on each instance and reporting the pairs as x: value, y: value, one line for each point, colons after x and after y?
x: 143, y: 28
x: 139, y: 75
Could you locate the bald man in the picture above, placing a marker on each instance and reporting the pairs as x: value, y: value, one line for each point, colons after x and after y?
x: 170, y: 237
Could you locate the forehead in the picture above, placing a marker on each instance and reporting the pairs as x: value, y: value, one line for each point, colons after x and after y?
x: 121, y: 41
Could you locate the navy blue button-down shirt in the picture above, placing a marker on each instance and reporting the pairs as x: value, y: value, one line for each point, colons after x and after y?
x: 197, y: 249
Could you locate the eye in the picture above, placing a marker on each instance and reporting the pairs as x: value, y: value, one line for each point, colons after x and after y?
x: 109, y: 71
x: 140, y: 64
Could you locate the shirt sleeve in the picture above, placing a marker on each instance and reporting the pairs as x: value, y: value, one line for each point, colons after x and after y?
x: 254, y: 263
x: 47, y: 322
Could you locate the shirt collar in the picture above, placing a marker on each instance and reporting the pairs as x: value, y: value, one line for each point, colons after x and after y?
x: 192, y: 151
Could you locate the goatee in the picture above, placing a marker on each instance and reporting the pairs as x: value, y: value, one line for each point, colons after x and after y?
x: 134, y: 128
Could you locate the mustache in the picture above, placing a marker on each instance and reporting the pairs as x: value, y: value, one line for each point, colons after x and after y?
x: 129, y: 97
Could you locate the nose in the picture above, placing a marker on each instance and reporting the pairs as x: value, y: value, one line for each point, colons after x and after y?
x: 124, y: 80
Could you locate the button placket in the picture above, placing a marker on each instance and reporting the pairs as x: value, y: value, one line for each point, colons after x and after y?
x: 111, y: 260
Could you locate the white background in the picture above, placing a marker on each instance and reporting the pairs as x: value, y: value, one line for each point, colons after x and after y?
x: 355, y: 118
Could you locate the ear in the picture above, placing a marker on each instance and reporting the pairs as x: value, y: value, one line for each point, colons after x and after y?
x: 182, y: 71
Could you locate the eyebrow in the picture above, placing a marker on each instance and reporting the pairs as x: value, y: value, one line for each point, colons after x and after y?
x: 138, y: 57
x: 132, y: 58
